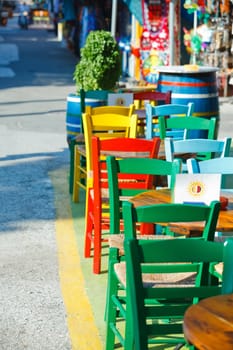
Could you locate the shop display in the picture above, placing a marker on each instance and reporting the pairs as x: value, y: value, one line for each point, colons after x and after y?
x: 210, y: 41
x: 154, y: 43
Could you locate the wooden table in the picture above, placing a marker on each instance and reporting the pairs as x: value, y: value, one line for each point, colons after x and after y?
x: 208, y: 325
x: 225, y: 220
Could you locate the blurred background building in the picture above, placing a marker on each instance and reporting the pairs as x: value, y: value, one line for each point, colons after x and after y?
x: 150, y: 33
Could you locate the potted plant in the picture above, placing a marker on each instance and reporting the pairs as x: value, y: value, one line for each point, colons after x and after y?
x: 97, y: 72
x: 100, y: 65
x: 95, y: 75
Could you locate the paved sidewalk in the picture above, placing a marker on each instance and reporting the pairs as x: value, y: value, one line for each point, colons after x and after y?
x: 226, y: 117
x: 33, y: 148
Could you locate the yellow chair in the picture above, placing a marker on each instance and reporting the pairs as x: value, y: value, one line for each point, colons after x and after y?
x: 104, y: 122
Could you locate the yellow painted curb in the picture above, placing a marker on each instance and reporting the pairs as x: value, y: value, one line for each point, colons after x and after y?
x: 81, y: 324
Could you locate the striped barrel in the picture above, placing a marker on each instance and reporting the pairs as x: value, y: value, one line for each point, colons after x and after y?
x: 199, y: 87
x: 74, y: 113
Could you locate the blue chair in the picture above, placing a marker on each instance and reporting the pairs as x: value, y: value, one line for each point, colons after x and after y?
x: 167, y: 110
x: 222, y: 165
x: 202, y: 148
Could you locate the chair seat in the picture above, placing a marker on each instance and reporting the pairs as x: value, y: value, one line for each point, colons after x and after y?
x: 117, y: 240
x: 157, y: 279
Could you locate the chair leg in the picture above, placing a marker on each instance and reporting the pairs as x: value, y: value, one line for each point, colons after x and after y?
x: 112, y: 256
x: 97, y: 241
x: 114, y: 292
x: 129, y: 331
x: 88, y: 225
x: 71, y: 175
x: 76, y: 175
x: 110, y: 308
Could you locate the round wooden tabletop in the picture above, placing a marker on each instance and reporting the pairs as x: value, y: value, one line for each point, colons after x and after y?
x: 208, y: 325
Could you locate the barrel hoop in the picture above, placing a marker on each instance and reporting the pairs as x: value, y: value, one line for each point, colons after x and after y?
x: 195, y: 84
x: 78, y: 100
x: 73, y: 125
x: 74, y: 115
x: 73, y: 99
x: 193, y: 96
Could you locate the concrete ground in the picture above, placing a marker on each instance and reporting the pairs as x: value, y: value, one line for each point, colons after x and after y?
x: 44, y: 300
x: 49, y: 298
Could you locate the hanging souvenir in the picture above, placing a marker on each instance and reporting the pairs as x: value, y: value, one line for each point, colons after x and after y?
x: 199, y: 38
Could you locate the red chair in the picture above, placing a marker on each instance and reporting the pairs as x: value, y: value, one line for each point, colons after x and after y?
x: 97, y: 212
x: 153, y: 97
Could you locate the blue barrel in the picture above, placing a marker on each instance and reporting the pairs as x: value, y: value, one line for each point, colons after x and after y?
x: 197, y: 86
x: 74, y: 114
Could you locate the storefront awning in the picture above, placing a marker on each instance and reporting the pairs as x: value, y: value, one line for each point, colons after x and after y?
x: 135, y: 7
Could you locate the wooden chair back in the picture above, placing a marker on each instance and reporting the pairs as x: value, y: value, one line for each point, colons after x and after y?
x: 97, y: 215
x: 153, y: 97
x: 122, y: 110
x: 105, y: 122
x: 107, y: 125
x: 168, y: 111
x: 162, y: 300
x: 202, y: 148
x: 222, y: 165
x: 175, y: 125
x: 118, y: 167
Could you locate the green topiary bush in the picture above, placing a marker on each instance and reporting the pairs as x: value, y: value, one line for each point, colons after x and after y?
x: 100, y: 65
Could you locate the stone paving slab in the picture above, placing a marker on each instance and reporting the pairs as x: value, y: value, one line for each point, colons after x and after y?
x: 8, y: 52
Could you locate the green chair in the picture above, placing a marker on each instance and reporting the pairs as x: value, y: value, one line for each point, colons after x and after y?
x: 131, y: 166
x: 116, y: 310
x: 190, y: 126
x: 155, y: 309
